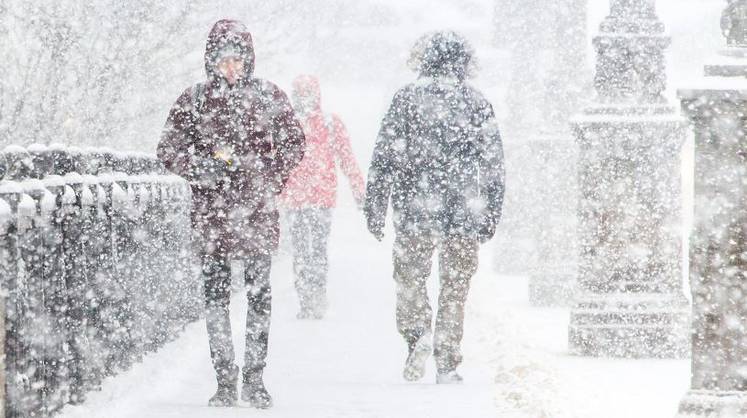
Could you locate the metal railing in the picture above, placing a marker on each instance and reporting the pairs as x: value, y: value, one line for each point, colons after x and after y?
x: 96, y: 269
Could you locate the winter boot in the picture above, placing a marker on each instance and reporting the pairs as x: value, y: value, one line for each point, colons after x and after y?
x: 418, y: 354
x: 448, y: 378
x: 254, y: 392
x: 304, y: 313
x: 315, y: 313
x: 319, y: 305
x: 227, y: 394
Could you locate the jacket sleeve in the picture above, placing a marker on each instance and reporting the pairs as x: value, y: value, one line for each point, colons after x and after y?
x: 491, y: 165
x: 288, y: 138
x: 382, y: 171
x: 346, y: 158
x: 175, y: 147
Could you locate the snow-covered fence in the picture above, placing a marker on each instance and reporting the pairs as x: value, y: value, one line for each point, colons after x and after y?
x: 96, y: 269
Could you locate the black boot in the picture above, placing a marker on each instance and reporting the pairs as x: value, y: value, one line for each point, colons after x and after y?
x: 227, y: 394
x: 254, y: 390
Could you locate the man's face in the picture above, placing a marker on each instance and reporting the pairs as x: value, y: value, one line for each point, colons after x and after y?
x: 232, y: 68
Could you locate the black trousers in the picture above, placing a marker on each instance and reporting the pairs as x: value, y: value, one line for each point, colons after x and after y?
x: 217, y: 271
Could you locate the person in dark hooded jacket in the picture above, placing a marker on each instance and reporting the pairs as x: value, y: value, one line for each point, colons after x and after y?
x: 236, y: 139
x: 439, y: 159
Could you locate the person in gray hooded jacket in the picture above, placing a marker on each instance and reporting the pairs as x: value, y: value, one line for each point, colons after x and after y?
x: 439, y: 159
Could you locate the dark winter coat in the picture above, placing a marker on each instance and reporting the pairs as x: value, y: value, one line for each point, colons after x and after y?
x: 237, y: 146
x: 438, y: 155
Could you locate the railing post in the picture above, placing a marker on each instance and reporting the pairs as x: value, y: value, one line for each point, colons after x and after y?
x: 6, y: 260
x: 44, y: 256
x: 77, y: 203
x: 123, y: 251
x: 5, y: 214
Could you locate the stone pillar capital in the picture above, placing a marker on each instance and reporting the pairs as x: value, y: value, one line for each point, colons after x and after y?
x: 734, y: 23
x: 632, y: 33
x: 632, y: 17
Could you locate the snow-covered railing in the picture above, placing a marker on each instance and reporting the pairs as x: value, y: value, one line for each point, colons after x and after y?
x: 96, y: 269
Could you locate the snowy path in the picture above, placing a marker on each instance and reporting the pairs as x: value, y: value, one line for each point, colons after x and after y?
x: 349, y: 365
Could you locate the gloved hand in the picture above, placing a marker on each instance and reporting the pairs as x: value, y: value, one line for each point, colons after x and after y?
x: 224, y: 157
x: 486, y: 229
x: 486, y: 232
x: 208, y: 171
x: 376, y: 229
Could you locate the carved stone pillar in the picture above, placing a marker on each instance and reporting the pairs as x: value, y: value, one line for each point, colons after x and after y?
x: 718, y: 242
x: 631, y: 301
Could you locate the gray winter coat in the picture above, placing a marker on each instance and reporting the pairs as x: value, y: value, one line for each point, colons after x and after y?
x: 439, y: 158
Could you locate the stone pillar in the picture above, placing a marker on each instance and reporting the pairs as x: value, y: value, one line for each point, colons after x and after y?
x: 718, y: 241
x: 552, y: 278
x: 537, y: 235
x: 516, y: 23
x: 631, y: 301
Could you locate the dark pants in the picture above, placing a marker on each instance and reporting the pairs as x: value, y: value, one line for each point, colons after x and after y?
x: 217, y: 270
x: 457, y: 263
x: 310, y: 230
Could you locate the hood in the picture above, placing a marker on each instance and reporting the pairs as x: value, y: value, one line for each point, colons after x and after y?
x: 231, y: 33
x: 443, y: 54
x: 308, y: 87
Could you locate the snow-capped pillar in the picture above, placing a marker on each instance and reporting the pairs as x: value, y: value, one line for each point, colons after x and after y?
x: 716, y: 107
x: 631, y: 301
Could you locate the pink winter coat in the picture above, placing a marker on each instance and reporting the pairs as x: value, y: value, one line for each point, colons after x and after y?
x: 313, y: 183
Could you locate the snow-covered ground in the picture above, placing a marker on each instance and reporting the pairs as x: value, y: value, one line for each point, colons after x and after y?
x: 349, y: 365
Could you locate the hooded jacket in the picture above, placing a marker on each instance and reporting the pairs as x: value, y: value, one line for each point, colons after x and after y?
x: 237, y: 146
x: 438, y: 156
x: 313, y: 184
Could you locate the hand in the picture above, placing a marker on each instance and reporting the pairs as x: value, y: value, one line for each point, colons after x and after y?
x: 207, y: 171
x: 224, y: 157
x: 376, y: 229
x: 486, y: 231
x: 215, y: 167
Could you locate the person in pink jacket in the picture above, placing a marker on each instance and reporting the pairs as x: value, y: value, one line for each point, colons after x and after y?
x: 311, y: 193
